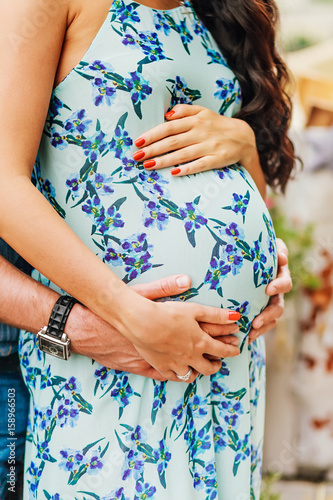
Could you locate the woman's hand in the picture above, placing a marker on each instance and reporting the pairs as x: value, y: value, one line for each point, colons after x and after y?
x: 169, y: 337
x: 196, y: 139
x: 93, y: 337
x: 276, y: 289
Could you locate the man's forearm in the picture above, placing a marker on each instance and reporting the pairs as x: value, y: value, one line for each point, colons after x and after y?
x: 24, y: 303
x: 27, y: 304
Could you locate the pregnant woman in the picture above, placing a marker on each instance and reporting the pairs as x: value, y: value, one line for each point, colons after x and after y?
x: 106, y: 215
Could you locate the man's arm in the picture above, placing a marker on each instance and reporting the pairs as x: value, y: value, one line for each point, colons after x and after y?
x: 27, y: 304
x: 24, y: 303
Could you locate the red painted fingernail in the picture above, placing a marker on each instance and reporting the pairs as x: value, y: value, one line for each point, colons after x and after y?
x: 149, y: 163
x: 139, y: 155
x: 175, y: 171
x: 234, y: 315
x: 139, y: 142
x: 169, y: 114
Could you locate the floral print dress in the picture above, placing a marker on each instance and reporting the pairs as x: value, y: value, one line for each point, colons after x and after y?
x: 101, y: 434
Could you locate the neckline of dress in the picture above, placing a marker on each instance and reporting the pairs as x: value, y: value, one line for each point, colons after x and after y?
x: 184, y: 5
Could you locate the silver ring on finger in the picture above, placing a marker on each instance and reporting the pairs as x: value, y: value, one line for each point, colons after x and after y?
x: 185, y: 377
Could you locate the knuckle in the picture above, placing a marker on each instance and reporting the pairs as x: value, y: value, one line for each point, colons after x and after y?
x: 201, y: 164
x: 173, y: 143
x: 201, y: 345
x: 165, y: 286
x: 168, y: 128
x: 201, y: 120
x: 207, y: 371
x: 182, y: 155
x: 199, y: 309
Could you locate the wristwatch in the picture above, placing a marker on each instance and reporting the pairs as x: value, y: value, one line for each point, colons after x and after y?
x: 51, y: 338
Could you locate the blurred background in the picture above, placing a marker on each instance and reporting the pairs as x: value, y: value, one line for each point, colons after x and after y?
x: 298, y: 451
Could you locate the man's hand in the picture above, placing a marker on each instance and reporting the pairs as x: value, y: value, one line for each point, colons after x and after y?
x: 91, y: 336
x: 282, y: 284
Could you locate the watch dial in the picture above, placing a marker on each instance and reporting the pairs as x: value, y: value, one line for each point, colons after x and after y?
x: 52, y: 348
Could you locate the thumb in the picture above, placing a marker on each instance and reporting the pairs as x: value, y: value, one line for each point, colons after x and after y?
x: 171, y: 285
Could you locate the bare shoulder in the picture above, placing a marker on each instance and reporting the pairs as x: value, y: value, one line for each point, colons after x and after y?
x: 31, y: 38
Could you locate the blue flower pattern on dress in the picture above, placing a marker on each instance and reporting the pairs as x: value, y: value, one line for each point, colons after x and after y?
x: 89, y: 422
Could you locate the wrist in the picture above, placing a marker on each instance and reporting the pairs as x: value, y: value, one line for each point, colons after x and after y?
x: 249, y: 157
x: 123, y: 309
x: 136, y: 318
x: 81, y: 327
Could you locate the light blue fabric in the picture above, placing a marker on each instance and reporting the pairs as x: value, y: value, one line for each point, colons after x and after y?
x: 100, y: 434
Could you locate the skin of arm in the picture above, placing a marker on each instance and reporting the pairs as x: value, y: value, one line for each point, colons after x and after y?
x: 167, y: 335
x: 27, y: 304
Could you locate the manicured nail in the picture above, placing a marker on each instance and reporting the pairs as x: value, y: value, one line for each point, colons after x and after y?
x: 149, y: 163
x: 183, y: 282
x: 139, y: 142
x: 234, y: 315
x: 175, y: 171
x: 169, y: 114
x: 139, y: 155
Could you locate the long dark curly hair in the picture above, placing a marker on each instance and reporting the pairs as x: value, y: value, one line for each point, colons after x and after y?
x: 245, y: 31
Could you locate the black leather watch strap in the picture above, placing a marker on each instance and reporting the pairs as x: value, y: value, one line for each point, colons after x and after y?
x: 59, y: 315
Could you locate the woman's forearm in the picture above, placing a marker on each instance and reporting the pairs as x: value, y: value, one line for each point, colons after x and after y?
x: 49, y: 244
x: 250, y: 157
x: 252, y: 165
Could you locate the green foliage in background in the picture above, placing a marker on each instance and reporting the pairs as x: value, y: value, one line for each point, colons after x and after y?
x: 298, y: 43
x: 299, y: 239
x: 267, y: 484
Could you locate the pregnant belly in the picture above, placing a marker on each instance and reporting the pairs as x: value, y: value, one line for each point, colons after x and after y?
x: 213, y: 226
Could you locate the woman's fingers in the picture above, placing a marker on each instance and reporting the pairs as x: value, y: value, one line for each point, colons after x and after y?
x: 272, y: 312
x: 221, y: 350
x: 282, y: 247
x: 254, y: 334
x: 183, y: 155
x: 283, y: 282
x: 184, y: 371
x: 166, y: 129
x: 173, y: 126
x: 194, y: 167
x: 219, y: 330
x: 229, y: 339
x: 280, y: 285
x: 215, y: 315
x: 183, y: 110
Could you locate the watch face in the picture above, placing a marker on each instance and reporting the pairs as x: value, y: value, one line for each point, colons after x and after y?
x: 53, y: 346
